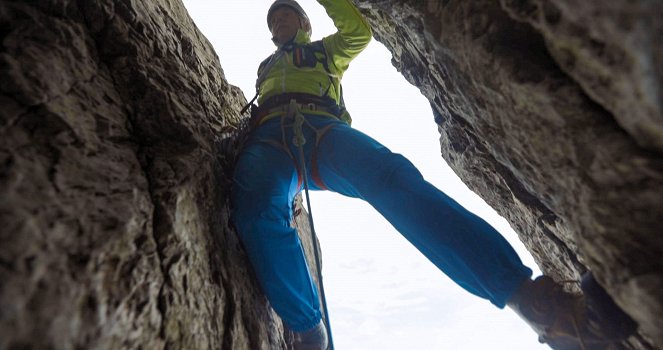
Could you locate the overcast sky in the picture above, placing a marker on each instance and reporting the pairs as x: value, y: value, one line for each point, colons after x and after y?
x: 382, y: 293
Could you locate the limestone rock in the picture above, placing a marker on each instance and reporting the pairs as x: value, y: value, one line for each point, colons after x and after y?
x: 114, y: 208
x: 551, y: 111
x: 113, y: 198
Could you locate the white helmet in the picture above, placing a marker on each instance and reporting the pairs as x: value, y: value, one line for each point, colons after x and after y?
x: 289, y: 3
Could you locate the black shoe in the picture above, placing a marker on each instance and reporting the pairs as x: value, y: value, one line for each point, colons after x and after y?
x: 567, y: 321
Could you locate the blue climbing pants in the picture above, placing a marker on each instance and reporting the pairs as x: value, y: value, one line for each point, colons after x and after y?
x: 266, y: 180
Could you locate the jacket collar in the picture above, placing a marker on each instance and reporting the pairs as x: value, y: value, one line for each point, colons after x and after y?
x: 300, y: 38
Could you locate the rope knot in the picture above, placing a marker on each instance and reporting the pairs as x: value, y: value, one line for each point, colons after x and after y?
x: 293, y: 110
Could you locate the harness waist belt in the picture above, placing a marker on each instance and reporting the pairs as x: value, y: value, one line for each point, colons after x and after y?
x: 280, y: 103
x: 285, y: 98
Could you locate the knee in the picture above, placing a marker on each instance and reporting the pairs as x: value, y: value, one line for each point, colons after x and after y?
x: 253, y: 212
x: 397, y: 171
x: 384, y: 176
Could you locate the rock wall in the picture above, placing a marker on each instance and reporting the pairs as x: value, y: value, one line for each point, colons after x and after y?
x: 113, y: 197
x: 113, y: 194
x: 551, y: 110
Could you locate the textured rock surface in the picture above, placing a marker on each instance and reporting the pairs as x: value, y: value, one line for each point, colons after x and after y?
x: 113, y: 205
x: 114, y: 235
x: 551, y: 111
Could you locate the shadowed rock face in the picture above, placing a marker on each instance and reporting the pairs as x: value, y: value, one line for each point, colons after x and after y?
x: 114, y: 196
x: 113, y: 203
x: 552, y: 112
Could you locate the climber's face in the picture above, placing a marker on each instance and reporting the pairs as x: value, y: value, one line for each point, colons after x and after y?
x: 285, y: 22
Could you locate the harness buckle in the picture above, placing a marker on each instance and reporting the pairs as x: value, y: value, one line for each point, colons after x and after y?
x: 310, y: 106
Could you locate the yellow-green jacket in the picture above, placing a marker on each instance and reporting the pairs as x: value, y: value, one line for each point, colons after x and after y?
x: 352, y: 37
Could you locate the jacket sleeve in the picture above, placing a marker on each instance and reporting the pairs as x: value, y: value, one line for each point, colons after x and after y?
x: 353, y: 34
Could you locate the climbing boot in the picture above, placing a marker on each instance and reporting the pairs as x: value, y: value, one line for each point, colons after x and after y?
x: 563, y: 320
x: 604, y: 311
x: 312, y: 339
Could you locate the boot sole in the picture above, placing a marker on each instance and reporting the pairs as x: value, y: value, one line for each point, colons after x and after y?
x: 604, y: 313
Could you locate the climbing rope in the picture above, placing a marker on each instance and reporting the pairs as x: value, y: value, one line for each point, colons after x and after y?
x: 299, y: 140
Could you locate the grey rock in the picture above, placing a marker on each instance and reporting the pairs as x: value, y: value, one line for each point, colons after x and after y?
x: 114, y: 212
x: 113, y: 198
x: 551, y: 111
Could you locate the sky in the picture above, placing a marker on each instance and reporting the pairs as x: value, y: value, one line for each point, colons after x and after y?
x: 381, y: 292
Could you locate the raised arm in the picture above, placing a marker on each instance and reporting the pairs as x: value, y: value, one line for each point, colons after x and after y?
x: 353, y: 33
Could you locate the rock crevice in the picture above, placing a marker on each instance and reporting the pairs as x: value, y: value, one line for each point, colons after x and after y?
x: 545, y: 111
x: 114, y: 178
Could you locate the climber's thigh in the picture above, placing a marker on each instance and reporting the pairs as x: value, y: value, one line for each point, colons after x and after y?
x: 354, y: 164
x: 265, y: 183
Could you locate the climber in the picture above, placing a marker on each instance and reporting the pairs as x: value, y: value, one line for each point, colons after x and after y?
x: 302, y: 78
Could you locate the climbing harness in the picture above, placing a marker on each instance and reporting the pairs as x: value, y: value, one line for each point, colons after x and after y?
x: 298, y: 141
